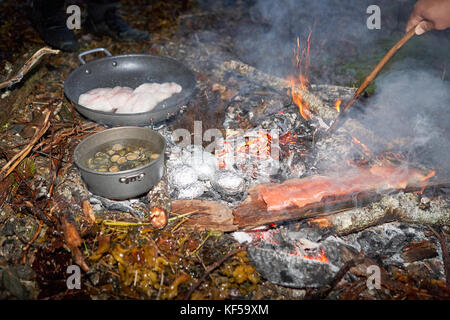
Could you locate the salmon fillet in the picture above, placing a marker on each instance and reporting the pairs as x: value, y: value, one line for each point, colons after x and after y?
x: 301, y: 192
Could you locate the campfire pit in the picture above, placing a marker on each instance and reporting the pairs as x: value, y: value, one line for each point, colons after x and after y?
x: 244, y: 130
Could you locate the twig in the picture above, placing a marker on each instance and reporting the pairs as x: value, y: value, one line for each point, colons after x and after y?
x: 27, y: 66
x: 212, y: 268
x: 160, y: 286
x: 35, y: 236
x: 15, y: 161
x: 443, y: 242
x: 201, y: 244
x: 178, y: 225
x: 336, y: 124
x: 182, y: 215
x: 323, y: 293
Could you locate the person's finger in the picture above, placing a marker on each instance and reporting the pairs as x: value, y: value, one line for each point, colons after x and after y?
x: 424, y: 26
x: 413, y: 21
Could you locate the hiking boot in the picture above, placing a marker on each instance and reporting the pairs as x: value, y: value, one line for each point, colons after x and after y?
x: 49, y: 20
x: 104, y: 20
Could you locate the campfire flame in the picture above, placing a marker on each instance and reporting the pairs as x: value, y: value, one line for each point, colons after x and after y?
x: 429, y: 175
x: 337, y: 105
x: 301, y: 81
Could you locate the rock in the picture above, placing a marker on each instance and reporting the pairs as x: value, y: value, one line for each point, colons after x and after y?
x: 11, y: 282
x: 228, y: 182
x: 9, y: 228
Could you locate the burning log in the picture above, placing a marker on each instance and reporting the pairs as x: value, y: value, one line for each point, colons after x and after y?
x: 278, y: 84
x: 316, y: 105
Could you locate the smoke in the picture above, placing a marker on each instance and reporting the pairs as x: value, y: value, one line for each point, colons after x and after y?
x: 339, y: 34
x: 412, y: 107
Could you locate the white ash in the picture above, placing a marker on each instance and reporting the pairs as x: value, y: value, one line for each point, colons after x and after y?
x: 191, y: 191
x: 228, y: 183
x: 293, y: 169
x: 242, y: 237
x: 181, y: 176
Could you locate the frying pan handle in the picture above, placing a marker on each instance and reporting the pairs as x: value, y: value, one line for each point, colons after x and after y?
x: 80, y: 56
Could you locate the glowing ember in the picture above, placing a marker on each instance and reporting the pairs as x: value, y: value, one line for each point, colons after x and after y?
x: 288, y: 138
x: 366, y: 150
x: 321, y: 257
x: 320, y: 222
x: 302, y: 60
x: 256, y: 147
x: 337, y: 105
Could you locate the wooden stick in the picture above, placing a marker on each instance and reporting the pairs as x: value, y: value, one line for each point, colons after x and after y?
x: 213, y: 267
x: 339, y: 120
x: 15, y: 161
x: 445, y: 256
x: 27, y: 66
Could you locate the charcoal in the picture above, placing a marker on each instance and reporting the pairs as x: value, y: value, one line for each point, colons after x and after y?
x: 283, y: 268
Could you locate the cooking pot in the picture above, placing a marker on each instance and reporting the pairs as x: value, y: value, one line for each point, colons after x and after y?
x: 123, y: 184
x: 130, y: 70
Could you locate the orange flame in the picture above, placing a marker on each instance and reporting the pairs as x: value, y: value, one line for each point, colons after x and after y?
x: 429, y: 175
x: 298, y: 100
x: 337, y: 105
x: 366, y: 150
x: 302, y: 60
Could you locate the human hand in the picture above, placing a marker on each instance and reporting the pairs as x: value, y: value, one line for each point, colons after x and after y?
x: 428, y: 15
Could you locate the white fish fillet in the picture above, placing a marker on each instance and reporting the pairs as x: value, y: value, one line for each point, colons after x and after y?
x: 126, y: 100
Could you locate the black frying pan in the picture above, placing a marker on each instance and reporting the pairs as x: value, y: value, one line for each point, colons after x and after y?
x: 129, y: 70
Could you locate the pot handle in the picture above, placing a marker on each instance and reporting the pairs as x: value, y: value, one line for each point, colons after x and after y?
x: 92, y: 51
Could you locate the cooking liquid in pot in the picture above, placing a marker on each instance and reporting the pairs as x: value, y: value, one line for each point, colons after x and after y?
x: 120, y: 155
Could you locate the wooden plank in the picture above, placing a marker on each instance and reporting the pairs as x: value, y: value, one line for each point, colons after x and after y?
x: 208, y: 215
x: 253, y: 211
